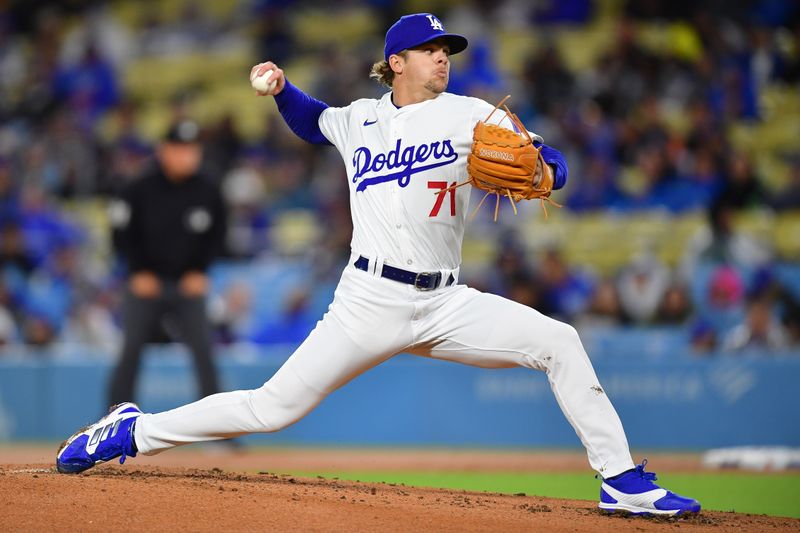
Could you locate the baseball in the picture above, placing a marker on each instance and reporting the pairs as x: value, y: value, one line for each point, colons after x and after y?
x: 260, y: 84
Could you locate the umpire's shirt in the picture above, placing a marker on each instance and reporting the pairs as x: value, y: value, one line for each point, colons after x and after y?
x: 169, y: 227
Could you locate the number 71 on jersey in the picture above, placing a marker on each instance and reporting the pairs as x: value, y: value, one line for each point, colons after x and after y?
x: 451, y: 193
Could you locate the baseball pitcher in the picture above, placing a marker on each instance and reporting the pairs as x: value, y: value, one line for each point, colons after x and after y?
x: 407, y: 156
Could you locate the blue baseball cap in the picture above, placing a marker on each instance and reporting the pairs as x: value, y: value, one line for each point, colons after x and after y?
x: 419, y: 28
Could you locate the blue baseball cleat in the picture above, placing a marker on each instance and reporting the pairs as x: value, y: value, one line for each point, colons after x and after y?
x: 634, y: 492
x: 110, y: 437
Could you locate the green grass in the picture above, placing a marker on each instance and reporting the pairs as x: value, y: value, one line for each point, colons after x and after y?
x: 771, y: 494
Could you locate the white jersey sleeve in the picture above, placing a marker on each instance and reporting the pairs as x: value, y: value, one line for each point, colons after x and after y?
x: 334, y: 122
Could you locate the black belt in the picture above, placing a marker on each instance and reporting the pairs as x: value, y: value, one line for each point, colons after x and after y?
x: 424, y: 281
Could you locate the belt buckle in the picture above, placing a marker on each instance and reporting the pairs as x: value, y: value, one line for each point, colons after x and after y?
x: 437, y: 276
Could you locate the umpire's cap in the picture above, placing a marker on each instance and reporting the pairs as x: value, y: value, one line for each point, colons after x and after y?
x: 419, y: 28
x: 183, y: 132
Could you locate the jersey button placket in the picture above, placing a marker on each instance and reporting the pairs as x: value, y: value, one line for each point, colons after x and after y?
x: 396, y: 127
x: 397, y: 200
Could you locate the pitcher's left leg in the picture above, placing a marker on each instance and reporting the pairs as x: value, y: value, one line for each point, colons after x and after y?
x: 479, y: 329
x: 474, y: 328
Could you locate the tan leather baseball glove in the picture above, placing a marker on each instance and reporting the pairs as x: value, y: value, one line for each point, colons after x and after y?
x: 505, y: 162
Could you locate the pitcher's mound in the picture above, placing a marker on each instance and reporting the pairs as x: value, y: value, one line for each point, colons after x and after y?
x: 114, y: 498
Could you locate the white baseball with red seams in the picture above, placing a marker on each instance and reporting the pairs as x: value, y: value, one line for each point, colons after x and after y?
x: 397, y: 159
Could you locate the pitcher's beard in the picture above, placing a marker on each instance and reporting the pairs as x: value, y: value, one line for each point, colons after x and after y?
x: 436, y: 86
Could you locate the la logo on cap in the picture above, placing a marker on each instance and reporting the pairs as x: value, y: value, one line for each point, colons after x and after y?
x: 435, y: 24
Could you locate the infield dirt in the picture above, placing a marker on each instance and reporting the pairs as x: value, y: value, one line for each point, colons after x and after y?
x: 234, y: 495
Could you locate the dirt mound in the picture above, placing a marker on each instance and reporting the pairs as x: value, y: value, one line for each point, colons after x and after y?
x: 109, y: 497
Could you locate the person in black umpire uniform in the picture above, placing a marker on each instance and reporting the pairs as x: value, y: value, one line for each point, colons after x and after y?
x: 168, y: 226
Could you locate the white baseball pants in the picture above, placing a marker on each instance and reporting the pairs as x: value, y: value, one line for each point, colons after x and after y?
x: 370, y: 320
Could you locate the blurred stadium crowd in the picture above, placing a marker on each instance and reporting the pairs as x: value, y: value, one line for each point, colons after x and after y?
x: 680, y: 121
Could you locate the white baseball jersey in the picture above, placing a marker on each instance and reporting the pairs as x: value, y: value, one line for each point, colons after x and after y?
x: 395, y: 170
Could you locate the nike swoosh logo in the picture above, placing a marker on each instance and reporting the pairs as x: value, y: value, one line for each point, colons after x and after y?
x: 368, y: 123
